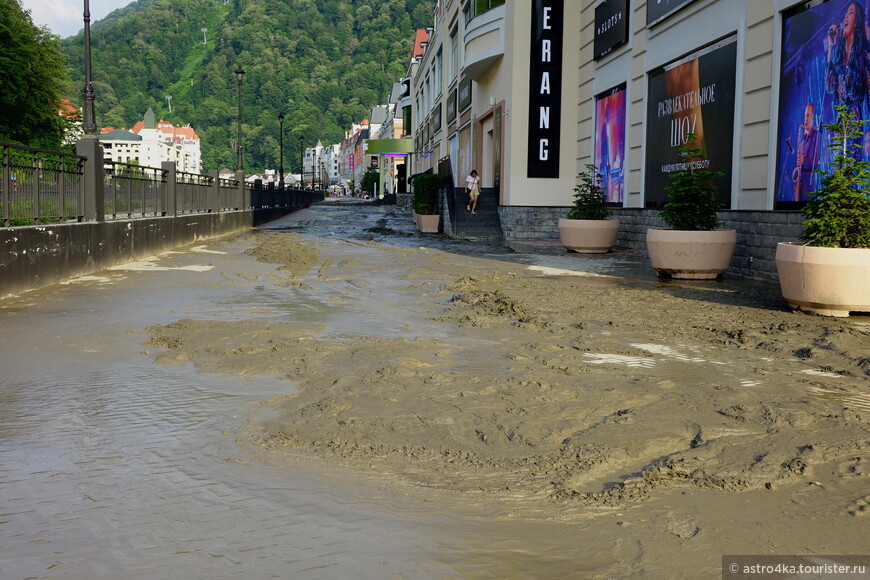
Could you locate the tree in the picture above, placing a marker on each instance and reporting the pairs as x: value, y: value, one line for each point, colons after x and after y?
x: 34, y: 77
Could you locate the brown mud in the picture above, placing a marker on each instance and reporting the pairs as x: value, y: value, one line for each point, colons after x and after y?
x: 694, y: 412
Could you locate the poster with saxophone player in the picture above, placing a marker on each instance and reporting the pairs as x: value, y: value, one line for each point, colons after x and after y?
x: 824, y: 64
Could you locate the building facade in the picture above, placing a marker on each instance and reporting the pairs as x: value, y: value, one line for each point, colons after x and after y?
x: 529, y: 91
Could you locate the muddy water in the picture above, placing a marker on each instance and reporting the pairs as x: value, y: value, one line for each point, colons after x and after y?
x: 340, y: 397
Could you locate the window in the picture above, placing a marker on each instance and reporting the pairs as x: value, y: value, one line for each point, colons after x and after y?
x: 436, y: 73
x: 453, y: 66
x: 475, y: 7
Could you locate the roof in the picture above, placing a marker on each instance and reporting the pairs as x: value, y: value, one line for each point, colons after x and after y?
x: 379, y: 114
x: 422, y: 36
x: 120, y: 135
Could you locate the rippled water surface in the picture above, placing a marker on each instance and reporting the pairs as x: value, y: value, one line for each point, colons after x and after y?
x: 112, y: 466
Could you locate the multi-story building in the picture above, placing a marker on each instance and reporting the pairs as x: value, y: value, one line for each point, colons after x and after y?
x: 529, y: 92
x: 150, y: 143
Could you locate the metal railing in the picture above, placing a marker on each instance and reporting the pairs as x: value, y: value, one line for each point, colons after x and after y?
x: 40, y: 187
x: 133, y: 191
x: 192, y: 192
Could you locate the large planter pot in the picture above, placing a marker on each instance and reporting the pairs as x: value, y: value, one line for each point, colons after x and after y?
x: 588, y: 236
x: 697, y: 255
x: 826, y: 281
x: 427, y: 224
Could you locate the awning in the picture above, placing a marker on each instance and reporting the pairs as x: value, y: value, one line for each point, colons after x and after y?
x: 389, y: 146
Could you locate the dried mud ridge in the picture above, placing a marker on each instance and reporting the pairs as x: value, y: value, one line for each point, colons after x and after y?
x: 554, y: 391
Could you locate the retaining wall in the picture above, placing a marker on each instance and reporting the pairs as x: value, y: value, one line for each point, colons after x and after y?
x: 758, y: 232
x: 32, y: 257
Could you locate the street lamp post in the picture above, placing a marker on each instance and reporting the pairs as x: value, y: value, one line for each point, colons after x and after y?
x: 281, y: 149
x: 302, y: 161
x: 240, y: 76
x: 89, y: 123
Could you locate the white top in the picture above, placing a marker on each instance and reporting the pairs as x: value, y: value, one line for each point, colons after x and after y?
x: 472, y: 183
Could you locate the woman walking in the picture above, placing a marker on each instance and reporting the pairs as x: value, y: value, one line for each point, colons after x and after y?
x: 472, y: 188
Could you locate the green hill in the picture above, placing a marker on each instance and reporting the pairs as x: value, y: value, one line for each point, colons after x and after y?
x: 324, y: 63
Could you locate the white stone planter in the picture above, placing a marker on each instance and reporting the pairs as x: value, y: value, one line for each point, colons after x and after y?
x: 588, y: 236
x: 826, y: 281
x: 427, y: 224
x: 684, y: 254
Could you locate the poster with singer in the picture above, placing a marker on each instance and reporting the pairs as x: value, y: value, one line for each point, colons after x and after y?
x: 694, y: 95
x: 610, y: 142
x: 824, y: 64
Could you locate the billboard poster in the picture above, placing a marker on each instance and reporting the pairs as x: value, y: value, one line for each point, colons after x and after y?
x: 659, y: 9
x: 692, y: 96
x: 824, y: 64
x: 610, y: 142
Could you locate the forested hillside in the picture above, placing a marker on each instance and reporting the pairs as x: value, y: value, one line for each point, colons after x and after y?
x: 323, y: 63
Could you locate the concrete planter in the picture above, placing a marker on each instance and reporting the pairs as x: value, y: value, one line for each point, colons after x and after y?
x: 698, y: 255
x: 427, y: 224
x: 588, y: 236
x: 826, y: 281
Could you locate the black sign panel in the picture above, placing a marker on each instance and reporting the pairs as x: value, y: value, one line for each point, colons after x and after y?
x: 658, y: 9
x: 611, y: 26
x: 696, y: 97
x: 545, y: 88
x: 451, y: 106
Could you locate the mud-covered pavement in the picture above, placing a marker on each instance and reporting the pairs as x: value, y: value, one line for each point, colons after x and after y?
x: 553, y: 415
x: 552, y: 390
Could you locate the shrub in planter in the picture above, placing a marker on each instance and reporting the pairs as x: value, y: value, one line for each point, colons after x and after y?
x: 586, y: 227
x: 693, y: 248
x: 426, y: 194
x: 829, y: 273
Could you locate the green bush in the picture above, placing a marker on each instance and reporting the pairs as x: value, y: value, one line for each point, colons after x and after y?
x: 590, y: 199
x: 426, y: 194
x: 838, y: 213
x: 692, y: 203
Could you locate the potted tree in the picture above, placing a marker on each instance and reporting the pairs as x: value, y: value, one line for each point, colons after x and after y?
x: 828, y: 272
x: 586, y: 228
x: 425, y: 204
x: 693, y: 247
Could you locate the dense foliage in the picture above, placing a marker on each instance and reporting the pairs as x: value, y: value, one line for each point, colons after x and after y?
x: 590, y: 199
x: 838, y: 215
x: 426, y: 193
x: 692, y: 202
x: 34, y: 79
x: 323, y: 63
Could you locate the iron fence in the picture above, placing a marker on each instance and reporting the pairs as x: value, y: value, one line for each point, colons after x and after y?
x: 193, y: 192
x: 133, y: 191
x: 228, y: 194
x: 40, y: 187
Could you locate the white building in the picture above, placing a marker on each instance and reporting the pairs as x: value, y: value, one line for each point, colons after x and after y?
x: 150, y: 143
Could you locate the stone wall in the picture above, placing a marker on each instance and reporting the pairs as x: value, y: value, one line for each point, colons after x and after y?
x: 758, y: 232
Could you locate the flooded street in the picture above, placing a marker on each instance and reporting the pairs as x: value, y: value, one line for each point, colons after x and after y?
x: 339, y: 397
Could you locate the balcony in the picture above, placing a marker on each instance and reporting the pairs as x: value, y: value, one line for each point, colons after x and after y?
x: 484, y: 41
